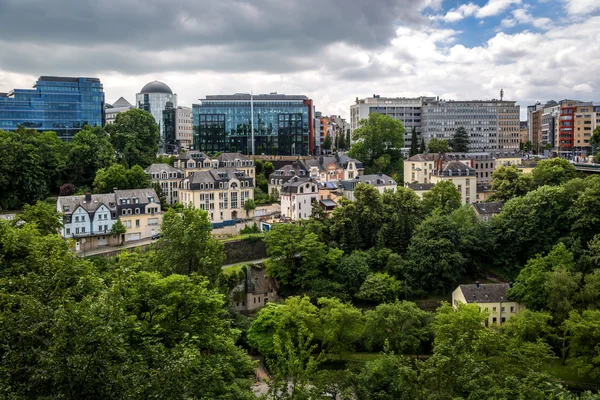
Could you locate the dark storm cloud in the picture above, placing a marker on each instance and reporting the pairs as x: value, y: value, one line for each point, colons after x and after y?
x: 140, y: 36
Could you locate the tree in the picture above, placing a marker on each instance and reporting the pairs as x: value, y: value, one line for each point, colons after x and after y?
x: 118, y: 229
x: 460, y: 140
x: 379, y: 288
x: 401, y: 326
x: 352, y: 271
x: 341, y: 325
x: 443, y: 196
x: 422, y: 148
x: 583, y: 330
x: 164, y: 204
x: 118, y: 177
x: 187, y: 245
x: 43, y: 216
x: 134, y: 135
x: 295, y: 254
x: 69, y: 332
x: 89, y: 151
x: 389, y: 377
x: 527, y: 146
x: 509, y: 182
x: 402, y: 211
x: 438, y: 146
x: 554, y: 172
x: 67, y: 189
x: 414, y: 145
x: 249, y: 205
x: 327, y: 143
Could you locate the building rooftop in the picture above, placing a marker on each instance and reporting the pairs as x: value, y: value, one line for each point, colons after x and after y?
x: 328, y: 203
x: 485, y: 293
x: 156, y: 87
x: 455, y: 168
x: 144, y: 195
x: 66, y: 79
x: 493, y: 207
x: 224, y: 157
x: 158, y: 168
x: 417, y: 187
x: 255, y: 97
x: 484, y: 187
x: 73, y: 202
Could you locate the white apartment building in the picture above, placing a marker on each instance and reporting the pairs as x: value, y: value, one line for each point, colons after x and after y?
x: 183, y: 127
x: 405, y: 109
x: 168, y: 178
x: 297, y: 197
x: 492, y: 125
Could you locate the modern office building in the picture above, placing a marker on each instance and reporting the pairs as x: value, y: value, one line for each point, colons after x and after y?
x: 167, y: 144
x: 183, y: 127
x: 112, y: 110
x: 153, y: 98
x: 407, y: 110
x: 492, y: 125
x: 283, y: 124
x: 549, y: 122
x: 60, y: 104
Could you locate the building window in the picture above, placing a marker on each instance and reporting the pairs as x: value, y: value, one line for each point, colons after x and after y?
x: 512, y: 309
x: 503, y: 309
x: 137, y: 223
x: 494, y: 309
x: 68, y: 231
x: 494, y: 320
x: 76, y: 218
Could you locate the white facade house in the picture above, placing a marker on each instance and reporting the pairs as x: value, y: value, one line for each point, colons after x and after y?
x: 168, y: 178
x: 297, y: 197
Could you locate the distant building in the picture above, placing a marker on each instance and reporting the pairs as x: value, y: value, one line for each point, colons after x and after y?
x: 60, y: 104
x: 419, y: 168
x: 153, y: 98
x: 88, y: 219
x: 491, y: 299
x: 112, y: 110
x: 420, y: 188
x: 168, y: 178
x: 255, y: 291
x: 463, y: 177
x: 381, y: 182
x: 183, y: 128
x: 283, y: 124
x: 486, y: 211
x: 492, y: 125
x: 404, y: 109
x: 297, y: 198
x: 283, y: 175
x: 484, y: 191
x: 194, y: 161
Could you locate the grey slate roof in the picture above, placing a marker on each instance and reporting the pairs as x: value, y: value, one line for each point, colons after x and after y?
x: 293, y: 184
x: 488, y: 208
x: 485, y: 293
x: 417, y: 187
x: 73, y: 202
x: 122, y: 103
x: 289, y: 171
x: 484, y: 187
x: 232, y: 157
x: 374, y: 180
x: 456, y: 168
x: 142, y: 194
x: 328, y: 203
x: 217, y: 175
x: 158, y: 168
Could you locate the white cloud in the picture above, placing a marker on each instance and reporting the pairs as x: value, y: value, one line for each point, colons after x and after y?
x: 583, y: 88
x: 492, y: 8
x: 581, y: 6
x: 521, y: 16
x: 495, y: 7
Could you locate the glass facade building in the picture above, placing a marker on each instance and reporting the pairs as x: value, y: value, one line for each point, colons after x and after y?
x: 282, y: 124
x: 153, y: 98
x: 57, y: 104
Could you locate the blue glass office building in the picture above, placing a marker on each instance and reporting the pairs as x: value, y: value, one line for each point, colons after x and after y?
x: 282, y: 124
x: 57, y: 104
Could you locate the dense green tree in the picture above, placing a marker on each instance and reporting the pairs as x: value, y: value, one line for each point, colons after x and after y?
x: 341, y: 325
x: 401, y: 326
x: 249, y: 205
x: 389, y: 377
x: 23, y: 178
x: 554, y: 172
x: 119, y: 177
x: 43, y: 215
x: 509, y: 182
x: 443, y: 196
x: 527, y: 146
x: 66, y: 332
x: 529, y: 326
x: 134, y: 135
x: 90, y: 150
x: 402, y: 212
x: 460, y: 140
x: 583, y: 215
x: 583, y: 332
x: 380, y: 288
x: 422, y: 148
x: 352, y: 271
x: 53, y: 152
x: 327, y: 143
x: 296, y: 255
x: 187, y: 245
x: 118, y: 229
x: 438, y: 146
x: 414, y: 143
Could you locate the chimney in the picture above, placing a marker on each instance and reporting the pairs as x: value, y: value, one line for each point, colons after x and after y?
x: 88, y: 197
x: 477, y: 284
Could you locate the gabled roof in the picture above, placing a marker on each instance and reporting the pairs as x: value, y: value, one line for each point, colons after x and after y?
x: 232, y: 157
x: 159, y: 168
x: 422, y: 157
x: 374, y: 180
x: 293, y: 184
x: 122, y: 103
x: 485, y: 293
x: 457, y: 168
x: 493, y: 207
x: 143, y: 194
x: 90, y: 206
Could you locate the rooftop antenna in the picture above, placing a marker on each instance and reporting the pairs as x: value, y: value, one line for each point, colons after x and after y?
x: 501, y: 94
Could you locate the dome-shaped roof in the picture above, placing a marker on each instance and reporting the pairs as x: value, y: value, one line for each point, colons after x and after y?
x: 156, y: 87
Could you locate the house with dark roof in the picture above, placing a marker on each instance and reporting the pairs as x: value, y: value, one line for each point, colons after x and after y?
x: 484, y: 191
x: 297, y: 197
x: 195, y: 161
x: 255, y: 291
x: 486, y: 211
x: 140, y: 211
x: 282, y: 175
x: 420, y: 188
x: 461, y: 175
x: 381, y: 182
x: 491, y: 298
x: 167, y: 177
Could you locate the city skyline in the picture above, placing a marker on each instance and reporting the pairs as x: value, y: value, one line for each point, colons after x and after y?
x: 332, y: 51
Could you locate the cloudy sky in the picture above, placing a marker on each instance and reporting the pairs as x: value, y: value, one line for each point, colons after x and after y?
x: 330, y: 50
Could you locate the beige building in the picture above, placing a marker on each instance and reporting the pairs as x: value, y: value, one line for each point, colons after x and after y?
x: 140, y: 212
x: 491, y: 298
x: 168, y: 178
x: 419, y: 168
x: 463, y: 177
x: 196, y: 161
x: 222, y: 192
x: 583, y: 124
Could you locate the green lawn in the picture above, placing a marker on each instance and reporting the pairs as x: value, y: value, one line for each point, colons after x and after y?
x: 564, y: 373
x: 232, y: 269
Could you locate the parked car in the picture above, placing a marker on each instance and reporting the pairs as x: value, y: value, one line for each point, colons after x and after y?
x: 238, y: 220
x: 156, y: 236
